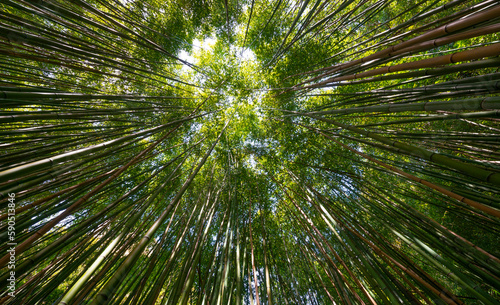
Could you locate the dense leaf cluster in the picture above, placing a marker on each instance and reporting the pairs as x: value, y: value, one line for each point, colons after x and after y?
x: 250, y: 152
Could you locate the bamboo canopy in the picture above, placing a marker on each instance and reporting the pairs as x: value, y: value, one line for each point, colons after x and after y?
x: 249, y: 152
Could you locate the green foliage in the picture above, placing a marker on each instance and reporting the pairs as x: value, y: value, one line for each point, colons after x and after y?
x: 227, y: 145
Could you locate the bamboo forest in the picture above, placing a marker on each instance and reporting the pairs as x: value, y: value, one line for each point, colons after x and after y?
x: 213, y: 152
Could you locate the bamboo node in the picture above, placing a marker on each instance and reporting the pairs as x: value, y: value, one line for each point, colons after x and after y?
x: 451, y: 58
x: 489, y: 176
